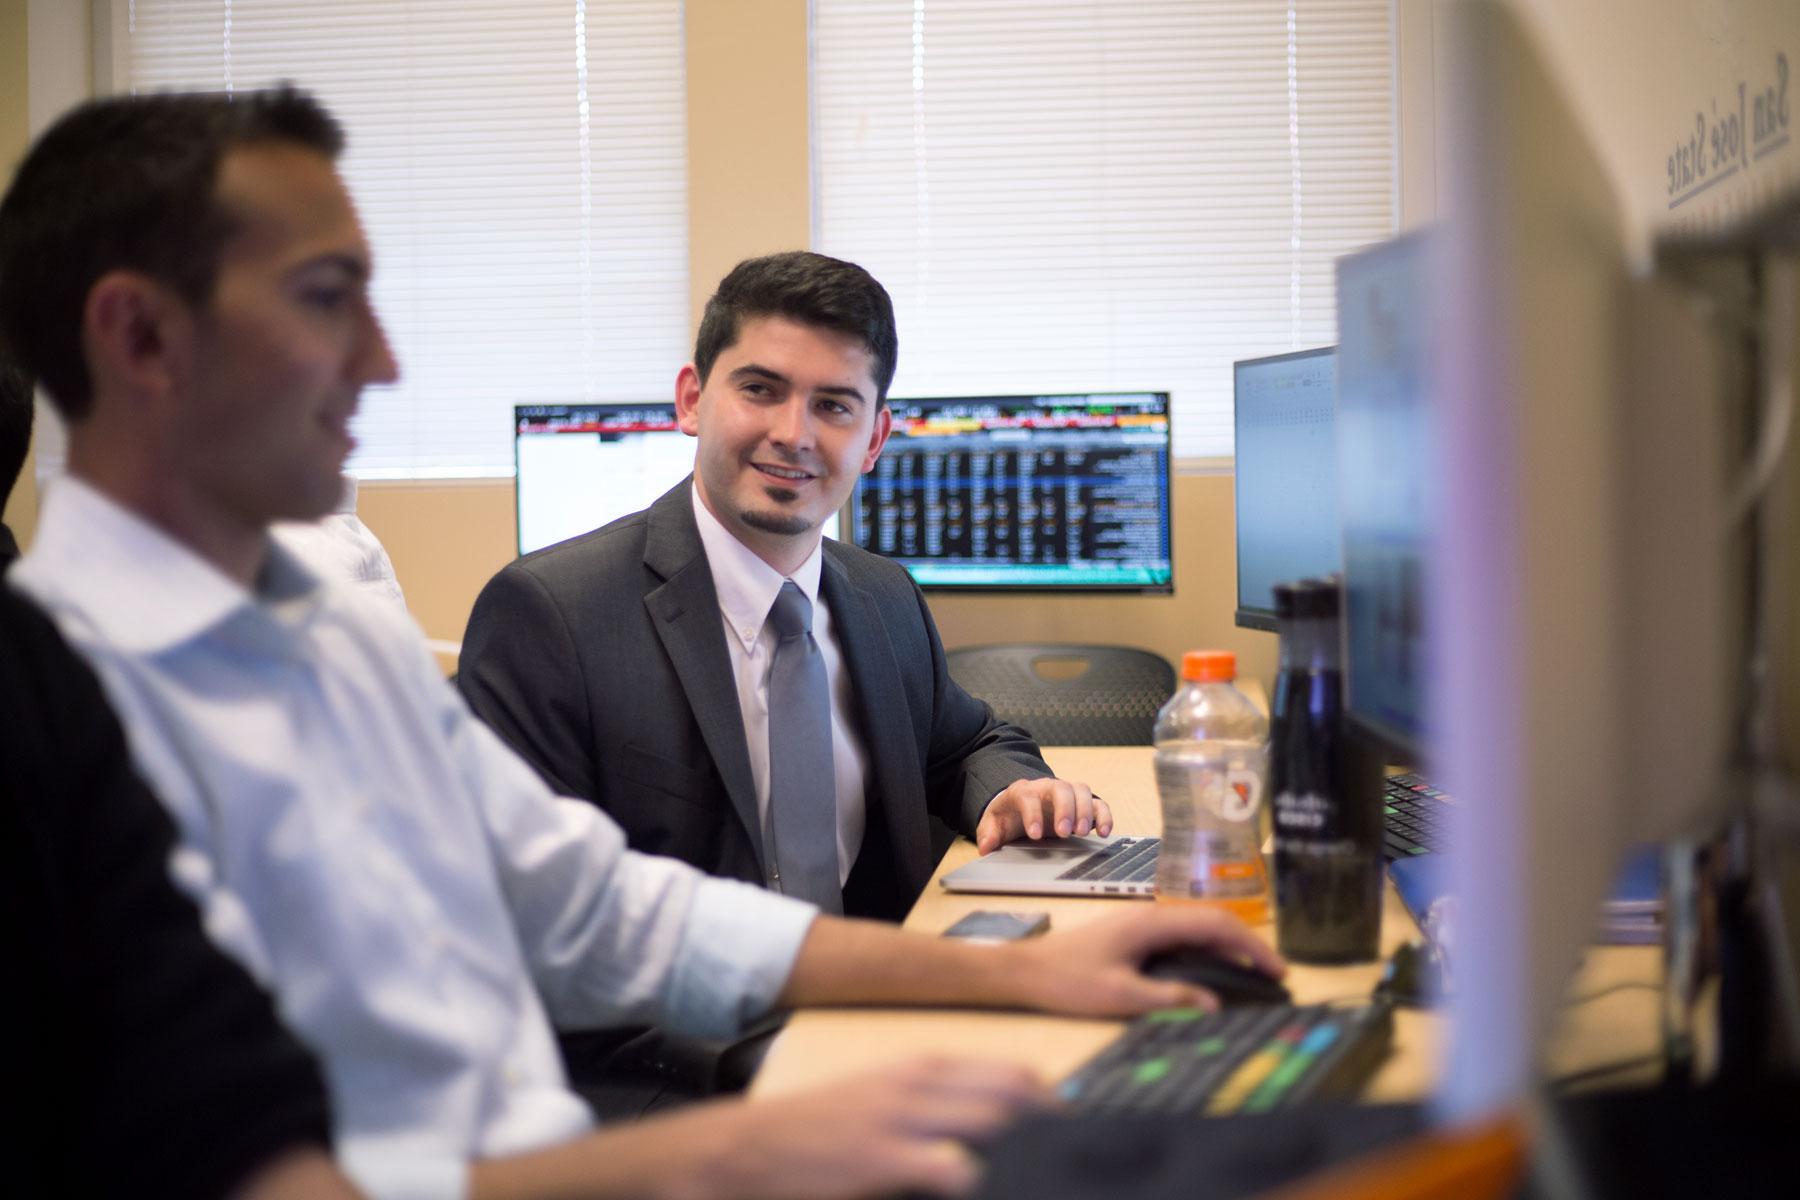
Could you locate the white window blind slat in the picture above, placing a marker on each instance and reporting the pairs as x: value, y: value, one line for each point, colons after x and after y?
x: 521, y: 172
x: 1072, y: 195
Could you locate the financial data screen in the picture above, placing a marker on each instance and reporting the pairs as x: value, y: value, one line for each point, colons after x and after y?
x: 1037, y: 492
x: 1285, y: 476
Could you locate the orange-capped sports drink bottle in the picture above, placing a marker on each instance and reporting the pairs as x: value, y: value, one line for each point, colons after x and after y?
x: 1212, y: 764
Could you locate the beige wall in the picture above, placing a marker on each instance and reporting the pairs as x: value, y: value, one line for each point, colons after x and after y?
x: 749, y: 156
x: 15, y: 125
x: 446, y: 540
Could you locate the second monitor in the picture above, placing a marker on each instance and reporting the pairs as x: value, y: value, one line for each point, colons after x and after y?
x: 1036, y: 492
x: 1285, y: 476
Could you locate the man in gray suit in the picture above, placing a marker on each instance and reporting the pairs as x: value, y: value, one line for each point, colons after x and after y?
x: 638, y: 666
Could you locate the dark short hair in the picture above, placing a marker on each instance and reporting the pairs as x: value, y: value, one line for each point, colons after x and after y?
x: 812, y: 289
x: 15, y: 423
x: 128, y: 182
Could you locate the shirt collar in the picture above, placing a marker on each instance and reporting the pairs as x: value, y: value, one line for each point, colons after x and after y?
x: 746, y: 585
x: 143, y: 591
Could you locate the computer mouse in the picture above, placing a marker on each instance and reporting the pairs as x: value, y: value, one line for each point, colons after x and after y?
x: 1414, y: 977
x: 1232, y: 982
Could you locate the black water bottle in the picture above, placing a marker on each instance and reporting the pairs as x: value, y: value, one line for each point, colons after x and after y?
x: 1327, y: 829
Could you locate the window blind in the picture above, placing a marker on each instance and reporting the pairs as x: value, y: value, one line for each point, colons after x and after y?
x: 1075, y: 195
x: 520, y: 169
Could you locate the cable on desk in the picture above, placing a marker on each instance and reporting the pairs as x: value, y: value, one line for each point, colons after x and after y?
x: 1628, y: 985
x: 1589, y: 1074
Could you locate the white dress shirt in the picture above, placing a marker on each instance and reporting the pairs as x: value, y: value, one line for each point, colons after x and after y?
x: 421, y: 906
x: 339, y: 548
x: 747, y: 587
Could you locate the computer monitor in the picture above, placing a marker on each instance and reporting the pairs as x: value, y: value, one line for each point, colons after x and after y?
x: 1576, y: 552
x: 1060, y: 492
x: 1384, y: 476
x: 579, y: 466
x: 1284, y: 477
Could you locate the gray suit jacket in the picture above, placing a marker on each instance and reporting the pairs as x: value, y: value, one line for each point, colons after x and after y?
x: 602, y: 660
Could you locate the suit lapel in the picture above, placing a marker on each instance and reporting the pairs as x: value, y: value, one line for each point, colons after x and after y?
x: 685, y: 613
x: 887, y: 721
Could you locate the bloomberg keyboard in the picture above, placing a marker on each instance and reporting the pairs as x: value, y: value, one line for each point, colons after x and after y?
x: 1248, y: 1059
x: 1417, y: 817
x: 1128, y: 860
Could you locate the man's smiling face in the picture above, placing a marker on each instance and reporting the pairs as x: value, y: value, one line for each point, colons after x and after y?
x: 787, y: 420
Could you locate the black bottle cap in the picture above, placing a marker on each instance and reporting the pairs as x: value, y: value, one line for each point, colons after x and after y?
x: 1317, y: 597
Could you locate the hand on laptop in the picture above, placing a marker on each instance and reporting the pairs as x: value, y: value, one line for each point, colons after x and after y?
x: 1093, y: 969
x: 1037, y: 808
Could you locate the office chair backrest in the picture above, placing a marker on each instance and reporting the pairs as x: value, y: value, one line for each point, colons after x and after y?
x: 1069, y: 695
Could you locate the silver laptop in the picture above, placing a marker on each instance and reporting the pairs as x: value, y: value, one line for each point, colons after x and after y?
x: 1084, y: 866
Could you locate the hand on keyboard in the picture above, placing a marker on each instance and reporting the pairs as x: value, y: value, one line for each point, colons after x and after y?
x: 900, y: 1128
x: 1036, y: 808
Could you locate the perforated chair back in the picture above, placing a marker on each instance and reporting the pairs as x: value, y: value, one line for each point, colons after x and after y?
x: 1069, y: 695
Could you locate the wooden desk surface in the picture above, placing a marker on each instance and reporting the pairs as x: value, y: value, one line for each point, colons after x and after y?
x: 820, y: 1045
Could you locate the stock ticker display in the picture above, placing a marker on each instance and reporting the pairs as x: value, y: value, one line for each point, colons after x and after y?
x: 1039, y: 492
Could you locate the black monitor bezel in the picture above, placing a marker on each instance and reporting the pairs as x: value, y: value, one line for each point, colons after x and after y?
x: 848, y: 519
x: 1397, y: 749
x: 1250, y: 616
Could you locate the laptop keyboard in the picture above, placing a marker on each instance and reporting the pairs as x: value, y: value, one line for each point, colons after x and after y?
x: 1417, y: 817
x: 1247, y: 1059
x: 1416, y: 814
x: 1128, y: 860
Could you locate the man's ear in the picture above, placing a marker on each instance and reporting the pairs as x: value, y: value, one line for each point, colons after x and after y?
x: 884, y: 425
x: 135, y: 333
x: 687, y: 400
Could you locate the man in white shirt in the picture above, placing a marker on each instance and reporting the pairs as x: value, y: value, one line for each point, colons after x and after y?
x: 187, y: 277
x: 675, y: 606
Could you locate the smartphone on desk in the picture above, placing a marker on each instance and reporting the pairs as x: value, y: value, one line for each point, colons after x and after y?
x: 990, y: 926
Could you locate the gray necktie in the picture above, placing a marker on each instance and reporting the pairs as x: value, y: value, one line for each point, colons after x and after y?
x: 802, y: 787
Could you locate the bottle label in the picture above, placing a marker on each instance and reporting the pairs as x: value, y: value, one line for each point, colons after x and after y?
x: 1228, y: 790
x: 1338, y: 848
x: 1210, y: 847
x: 1233, y: 794
x: 1308, y: 817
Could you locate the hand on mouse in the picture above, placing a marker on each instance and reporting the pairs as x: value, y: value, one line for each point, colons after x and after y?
x: 1094, y: 969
